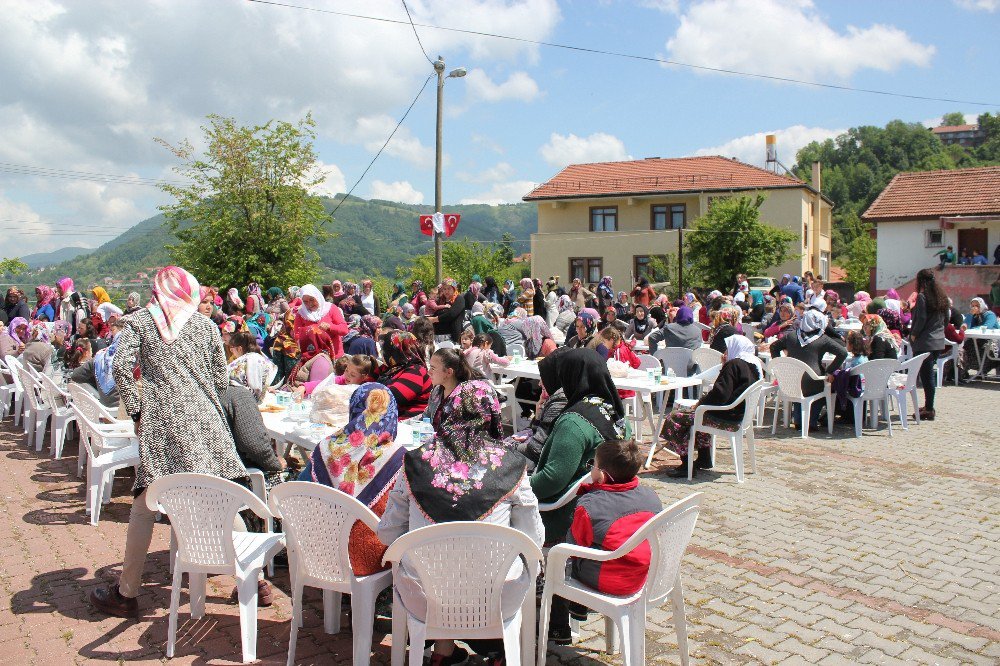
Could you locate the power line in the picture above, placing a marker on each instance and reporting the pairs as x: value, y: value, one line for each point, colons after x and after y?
x: 421, y: 44
x: 392, y: 134
x: 630, y: 56
x: 48, y: 172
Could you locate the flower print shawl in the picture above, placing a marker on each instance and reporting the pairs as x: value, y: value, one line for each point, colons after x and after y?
x: 176, y: 295
x: 362, y: 459
x: 466, y: 470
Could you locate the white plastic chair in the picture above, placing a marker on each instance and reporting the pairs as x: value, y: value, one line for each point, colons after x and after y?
x: 98, y: 426
x: 954, y: 351
x: 705, y: 357
x: 202, y: 509
x: 668, y: 534
x: 566, y: 497
x: 36, y: 411
x: 516, y: 349
x: 749, y: 399
x: 707, y: 377
x: 677, y: 359
x: 462, y: 568
x: 789, y: 372
x: 444, y: 344
x: 317, y: 521
x: 876, y: 392
x: 911, y: 369
x: 511, y: 407
x: 20, y: 404
x: 62, y: 415
x: 7, y: 390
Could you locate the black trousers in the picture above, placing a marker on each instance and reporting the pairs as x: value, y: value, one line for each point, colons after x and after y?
x: 927, y: 378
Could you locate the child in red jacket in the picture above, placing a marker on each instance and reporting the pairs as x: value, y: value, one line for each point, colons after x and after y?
x: 608, y: 512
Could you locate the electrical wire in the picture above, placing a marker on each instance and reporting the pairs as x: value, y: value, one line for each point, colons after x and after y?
x: 421, y: 44
x: 630, y: 56
x: 48, y: 172
x: 391, y: 134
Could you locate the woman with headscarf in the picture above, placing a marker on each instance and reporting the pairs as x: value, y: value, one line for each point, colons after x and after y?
x: 538, y: 341
x: 641, y: 324
x: 526, y: 299
x: 14, y: 305
x: 490, y: 290
x: 551, y: 404
x: 96, y: 376
x: 362, y: 460
x: 642, y: 293
x: 681, y: 332
x: 284, y: 348
x: 605, y: 293
x: 881, y: 342
x: 363, y: 333
x: 319, y: 327
x: 419, y: 298
x: 980, y: 316
x: 860, y: 304
x: 259, y: 325
x: 232, y: 304
x: 623, y: 309
x: 725, y: 323
x: 250, y: 368
x: 67, y: 310
x: 398, y: 296
x: 808, y: 344
x: 594, y: 413
x: 586, y: 335
x: 19, y: 331
x: 38, y: 350
x: 103, y: 304
x: 277, y: 305
x: 178, y: 416
x: 44, y: 310
x: 610, y: 318
x: 255, y: 299
x: 740, y: 369
x: 892, y: 301
x: 133, y: 302
x: 368, y: 298
x: 405, y: 373
x: 785, y: 319
x: 464, y: 473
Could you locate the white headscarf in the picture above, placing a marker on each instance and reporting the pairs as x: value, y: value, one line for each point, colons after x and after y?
x: 739, y: 346
x: 818, y: 303
x: 318, y: 313
x: 811, y: 327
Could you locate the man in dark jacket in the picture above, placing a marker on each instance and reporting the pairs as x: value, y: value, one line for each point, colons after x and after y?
x: 450, y: 320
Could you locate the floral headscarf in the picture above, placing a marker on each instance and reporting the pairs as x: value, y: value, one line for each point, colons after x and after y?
x: 362, y: 460
x: 891, y: 319
x: 259, y: 328
x: 527, y: 284
x: 811, y: 327
x: 875, y: 327
x: 253, y: 289
x: 605, y: 282
x: 727, y: 314
x: 589, y: 323
x: 368, y: 326
x: 103, y: 360
x: 44, y: 294
x: 254, y: 371
x: 465, y: 471
x: 233, y: 296
x: 39, y: 332
x: 564, y: 303
x: 536, y: 330
x: 175, y: 298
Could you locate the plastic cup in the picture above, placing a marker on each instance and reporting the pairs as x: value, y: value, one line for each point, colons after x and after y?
x: 650, y: 375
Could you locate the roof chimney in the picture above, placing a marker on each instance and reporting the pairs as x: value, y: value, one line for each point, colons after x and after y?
x: 816, y: 180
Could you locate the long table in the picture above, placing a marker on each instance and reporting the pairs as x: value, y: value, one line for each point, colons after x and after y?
x: 297, y: 430
x: 640, y: 383
x: 990, y: 335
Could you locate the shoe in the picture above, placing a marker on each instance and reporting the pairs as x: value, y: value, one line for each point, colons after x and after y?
x: 926, y: 414
x: 109, y: 600
x: 459, y: 656
x: 681, y: 471
x: 561, y: 636
x: 704, y: 459
x: 265, y: 595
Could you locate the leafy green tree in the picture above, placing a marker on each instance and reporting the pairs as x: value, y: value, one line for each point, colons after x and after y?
x: 12, y: 266
x: 731, y: 239
x: 461, y: 259
x: 953, y: 118
x: 247, y: 215
x: 860, y: 257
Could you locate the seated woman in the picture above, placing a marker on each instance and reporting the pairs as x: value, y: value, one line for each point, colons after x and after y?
x: 725, y: 324
x: 44, y: 309
x: 621, y: 351
x: 361, y: 336
x: 610, y: 318
x: 94, y: 373
x: 881, y: 342
x: 38, y: 351
x: 551, y: 405
x: 681, y: 332
x: 808, y: 343
x: 538, y: 341
x: 464, y: 473
x: 512, y: 331
x: 641, y: 325
x: 362, y: 460
x: 586, y: 326
x: 405, y: 373
x: 249, y: 367
x: 740, y: 369
x: 317, y: 330
x: 979, y: 316
x: 253, y: 443
x: 566, y: 316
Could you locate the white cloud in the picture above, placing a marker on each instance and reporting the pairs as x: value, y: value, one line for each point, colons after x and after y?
x: 562, y: 150
x: 487, y: 143
x: 497, y: 172
x: 399, y: 190
x: 751, y: 149
x: 376, y: 129
x: 36, y: 233
x: 333, y: 180
x: 509, y: 192
x: 970, y: 119
x: 518, y: 86
x: 979, y: 5
x: 787, y: 38
x: 665, y: 6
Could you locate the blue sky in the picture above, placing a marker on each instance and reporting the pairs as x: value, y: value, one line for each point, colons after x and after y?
x: 85, y: 87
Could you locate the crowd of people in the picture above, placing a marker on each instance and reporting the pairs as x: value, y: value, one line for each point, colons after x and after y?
x: 191, y: 365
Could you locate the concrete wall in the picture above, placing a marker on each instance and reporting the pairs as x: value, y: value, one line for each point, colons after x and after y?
x: 902, y: 249
x: 564, y: 232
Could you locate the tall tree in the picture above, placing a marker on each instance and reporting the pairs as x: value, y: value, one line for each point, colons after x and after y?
x: 731, y: 239
x: 12, y: 265
x: 953, y: 118
x: 247, y: 214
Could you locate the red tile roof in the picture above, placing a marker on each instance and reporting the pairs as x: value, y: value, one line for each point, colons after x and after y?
x: 918, y: 195
x: 656, y: 176
x: 954, y: 128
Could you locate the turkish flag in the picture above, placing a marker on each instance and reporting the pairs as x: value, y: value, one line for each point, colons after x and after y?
x: 427, y: 225
x: 444, y: 223
x: 451, y: 223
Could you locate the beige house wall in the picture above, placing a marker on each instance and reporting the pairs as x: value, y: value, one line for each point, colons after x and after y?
x: 564, y: 232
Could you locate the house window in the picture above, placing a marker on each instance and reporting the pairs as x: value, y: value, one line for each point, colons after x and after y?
x: 658, y: 217
x: 824, y: 264
x: 678, y: 216
x: 805, y: 234
x: 642, y: 266
x: 935, y: 238
x: 587, y: 269
x: 664, y: 216
x: 604, y: 219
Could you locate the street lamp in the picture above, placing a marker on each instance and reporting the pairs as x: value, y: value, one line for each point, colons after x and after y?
x: 454, y: 74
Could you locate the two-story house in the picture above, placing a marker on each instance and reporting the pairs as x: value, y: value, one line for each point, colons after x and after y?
x: 611, y: 218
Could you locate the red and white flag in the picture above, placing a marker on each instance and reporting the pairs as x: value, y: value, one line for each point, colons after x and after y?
x: 446, y: 224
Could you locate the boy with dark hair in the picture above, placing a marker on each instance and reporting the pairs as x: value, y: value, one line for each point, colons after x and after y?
x: 608, y: 512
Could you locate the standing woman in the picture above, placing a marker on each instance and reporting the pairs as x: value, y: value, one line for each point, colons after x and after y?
x: 233, y: 305
x: 318, y: 330
x: 103, y: 304
x: 526, y: 299
x: 44, y: 310
x: 927, y: 332
x: 178, y: 416
x: 369, y: 299
x: 255, y: 299
x: 605, y: 294
x: 132, y: 304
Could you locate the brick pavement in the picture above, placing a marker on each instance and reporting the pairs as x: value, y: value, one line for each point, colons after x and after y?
x: 838, y: 551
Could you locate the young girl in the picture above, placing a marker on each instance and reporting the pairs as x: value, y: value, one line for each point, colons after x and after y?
x: 467, y: 339
x: 858, y: 348
x: 619, y: 350
x: 356, y: 370
x: 481, y: 357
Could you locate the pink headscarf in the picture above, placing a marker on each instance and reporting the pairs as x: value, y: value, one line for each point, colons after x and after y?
x: 176, y: 295
x: 65, y: 285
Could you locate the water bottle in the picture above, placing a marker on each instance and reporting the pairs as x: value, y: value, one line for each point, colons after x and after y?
x: 670, y: 373
x: 426, y: 431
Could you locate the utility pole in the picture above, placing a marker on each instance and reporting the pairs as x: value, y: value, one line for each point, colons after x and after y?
x: 439, y: 68
x: 680, y: 262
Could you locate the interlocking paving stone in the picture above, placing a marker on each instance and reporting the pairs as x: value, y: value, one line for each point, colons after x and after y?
x: 838, y: 550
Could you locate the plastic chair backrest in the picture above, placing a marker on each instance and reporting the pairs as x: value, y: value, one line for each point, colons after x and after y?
x: 54, y: 396
x: 566, y: 497
x: 515, y: 349
x: 86, y: 405
x: 676, y: 358
x: 749, y: 398
x: 789, y: 372
x: 31, y: 388
x: 14, y: 366
x: 876, y: 374
x: 647, y: 362
x: 462, y: 567
x: 668, y: 534
x: 317, y: 520
x: 705, y: 357
x: 201, y: 510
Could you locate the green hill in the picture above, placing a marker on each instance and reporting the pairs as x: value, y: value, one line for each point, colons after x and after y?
x: 370, y: 238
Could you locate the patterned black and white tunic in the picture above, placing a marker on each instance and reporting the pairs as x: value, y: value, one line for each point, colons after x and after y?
x: 182, y: 427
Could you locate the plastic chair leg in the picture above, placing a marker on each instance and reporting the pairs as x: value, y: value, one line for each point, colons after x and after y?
x: 362, y: 623
x: 903, y: 416
x: 96, y: 488
x: 331, y: 611
x: 916, y: 406
x: 544, y: 610
x: 888, y: 416
x: 418, y: 635
x: 628, y: 641
x: 247, y: 592
x: 750, y: 440
x: 293, y: 634
x: 399, y: 631
x: 777, y: 408
x: 736, y: 441
x: 829, y: 414
x: 196, y: 591
x: 680, y: 621
x: 175, y: 601
x: 611, y: 635
x: 805, y: 417
x: 858, y: 415
x: 512, y: 640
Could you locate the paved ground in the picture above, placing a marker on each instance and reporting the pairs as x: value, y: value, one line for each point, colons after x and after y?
x: 839, y: 551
